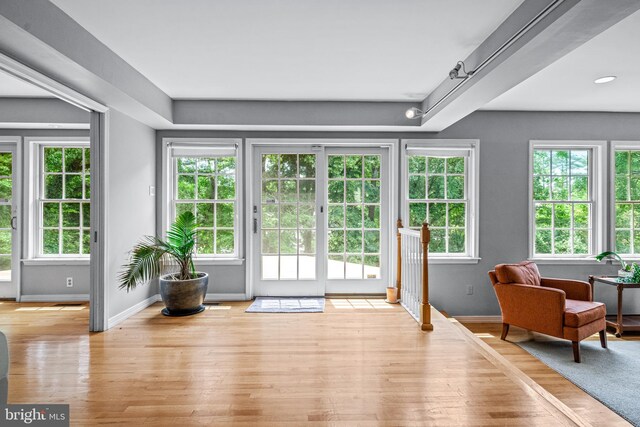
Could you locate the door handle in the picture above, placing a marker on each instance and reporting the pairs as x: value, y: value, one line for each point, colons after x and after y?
x: 14, y: 222
x: 255, y: 225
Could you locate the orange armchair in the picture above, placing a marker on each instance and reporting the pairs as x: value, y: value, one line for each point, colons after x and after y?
x: 557, y: 307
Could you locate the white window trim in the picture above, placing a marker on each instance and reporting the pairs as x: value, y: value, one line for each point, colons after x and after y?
x: 598, y: 174
x: 473, y: 181
x: 31, y: 175
x: 167, y: 190
x: 617, y: 145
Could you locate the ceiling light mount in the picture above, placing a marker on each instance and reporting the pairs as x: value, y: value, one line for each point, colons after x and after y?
x: 604, y: 79
x: 414, y: 113
x: 455, y: 72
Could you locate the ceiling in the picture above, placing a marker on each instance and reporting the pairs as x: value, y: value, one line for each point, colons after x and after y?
x: 567, y: 84
x: 12, y: 87
x: 292, y: 49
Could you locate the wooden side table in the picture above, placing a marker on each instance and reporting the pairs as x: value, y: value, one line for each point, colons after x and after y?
x: 619, y: 321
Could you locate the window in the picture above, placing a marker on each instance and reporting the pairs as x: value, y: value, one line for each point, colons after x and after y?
x: 440, y: 187
x: 63, y: 209
x: 565, y: 191
x: 627, y: 201
x: 204, y: 180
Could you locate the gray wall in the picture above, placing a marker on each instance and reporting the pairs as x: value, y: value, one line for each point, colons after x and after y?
x: 41, y: 110
x: 50, y: 279
x: 131, y: 211
x: 504, y: 146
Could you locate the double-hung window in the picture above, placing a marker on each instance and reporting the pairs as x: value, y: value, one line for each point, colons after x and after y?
x: 627, y: 200
x: 440, y: 180
x: 566, y: 199
x: 204, y: 180
x: 63, y: 200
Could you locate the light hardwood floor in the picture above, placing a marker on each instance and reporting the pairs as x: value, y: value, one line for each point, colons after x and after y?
x: 359, y: 363
x: 583, y: 404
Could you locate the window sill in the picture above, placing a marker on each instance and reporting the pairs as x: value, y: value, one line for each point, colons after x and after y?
x: 218, y: 261
x: 56, y: 261
x: 453, y: 260
x: 564, y: 261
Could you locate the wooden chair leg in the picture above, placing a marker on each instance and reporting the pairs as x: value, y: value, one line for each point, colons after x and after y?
x: 505, y: 331
x: 576, y: 351
x: 603, y: 338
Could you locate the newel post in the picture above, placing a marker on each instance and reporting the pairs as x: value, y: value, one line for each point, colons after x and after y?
x: 399, y: 272
x: 425, y: 308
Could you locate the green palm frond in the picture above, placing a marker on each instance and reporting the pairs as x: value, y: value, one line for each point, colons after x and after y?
x: 611, y: 254
x: 148, y: 257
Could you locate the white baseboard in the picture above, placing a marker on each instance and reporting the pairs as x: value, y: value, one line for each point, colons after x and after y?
x: 120, y: 317
x: 479, y: 319
x: 55, y: 298
x: 225, y: 297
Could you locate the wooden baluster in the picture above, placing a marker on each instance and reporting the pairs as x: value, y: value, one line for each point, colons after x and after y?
x: 425, y: 308
x: 399, y: 273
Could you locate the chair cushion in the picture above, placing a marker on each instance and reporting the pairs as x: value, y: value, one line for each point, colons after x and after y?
x: 525, y: 272
x: 579, y: 313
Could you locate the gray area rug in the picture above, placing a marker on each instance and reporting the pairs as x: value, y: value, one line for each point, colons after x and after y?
x: 286, y: 305
x: 611, y: 375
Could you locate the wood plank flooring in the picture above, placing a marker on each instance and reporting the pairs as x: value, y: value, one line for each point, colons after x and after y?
x: 362, y: 362
x: 583, y: 404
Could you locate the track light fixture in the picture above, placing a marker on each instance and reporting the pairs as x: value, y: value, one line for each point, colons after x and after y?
x: 413, y: 113
x: 455, y: 72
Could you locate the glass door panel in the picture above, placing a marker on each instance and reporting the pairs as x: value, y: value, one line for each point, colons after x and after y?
x: 285, y: 222
x: 6, y: 215
x: 357, y: 220
x: 9, y: 237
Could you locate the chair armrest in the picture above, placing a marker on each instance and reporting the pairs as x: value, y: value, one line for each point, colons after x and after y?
x: 532, y: 307
x: 574, y: 289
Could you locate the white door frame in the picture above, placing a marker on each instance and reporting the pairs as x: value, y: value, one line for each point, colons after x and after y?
x: 98, y: 294
x: 252, y: 143
x: 13, y: 144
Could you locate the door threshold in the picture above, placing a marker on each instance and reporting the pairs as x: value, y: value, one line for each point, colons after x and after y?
x: 370, y: 296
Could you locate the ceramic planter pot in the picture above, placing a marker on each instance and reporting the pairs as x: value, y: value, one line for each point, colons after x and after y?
x: 183, y: 297
x: 392, y: 295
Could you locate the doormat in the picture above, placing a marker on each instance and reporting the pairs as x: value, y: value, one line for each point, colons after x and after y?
x: 286, y: 305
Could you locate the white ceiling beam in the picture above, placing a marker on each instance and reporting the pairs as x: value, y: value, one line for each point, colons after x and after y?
x: 554, y: 28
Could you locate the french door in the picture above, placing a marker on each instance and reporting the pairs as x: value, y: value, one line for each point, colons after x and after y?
x: 9, y: 208
x: 320, y: 219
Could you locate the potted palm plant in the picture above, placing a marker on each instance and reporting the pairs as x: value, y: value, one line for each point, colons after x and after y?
x: 183, y: 291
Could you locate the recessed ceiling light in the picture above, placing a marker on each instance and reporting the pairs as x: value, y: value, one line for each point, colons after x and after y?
x: 605, y: 79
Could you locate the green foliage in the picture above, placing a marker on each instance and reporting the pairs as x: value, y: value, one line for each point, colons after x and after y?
x: 417, y: 164
x: 353, y: 166
x: 455, y: 165
x: 435, y: 186
x: 611, y: 254
x: 6, y: 188
x: 336, y: 166
x: 5, y: 216
x: 435, y: 165
x: 5, y: 242
x: 53, y: 159
x: 151, y: 253
x: 307, y: 165
x: 6, y: 164
x: 417, y: 187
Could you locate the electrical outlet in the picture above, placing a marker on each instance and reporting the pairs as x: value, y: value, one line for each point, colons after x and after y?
x: 69, y: 282
x: 470, y: 290
x: 152, y: 190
